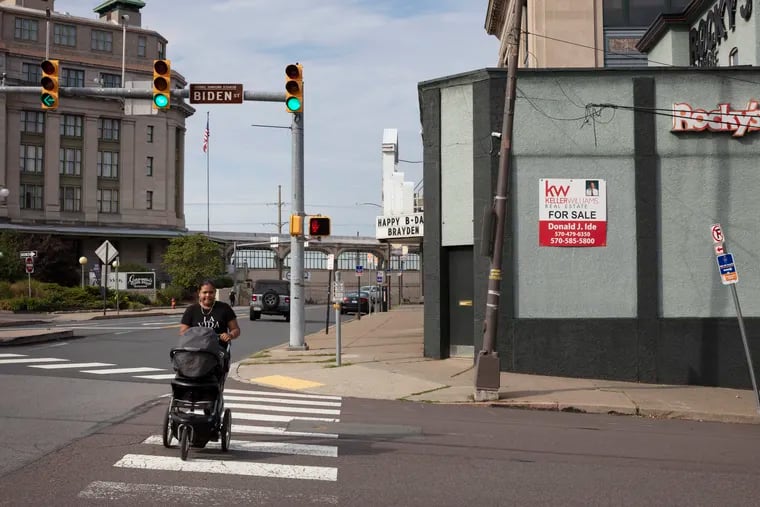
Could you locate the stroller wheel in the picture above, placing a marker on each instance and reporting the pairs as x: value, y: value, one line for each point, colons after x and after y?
x: 168, y: 434
x: 226, y: 429
x: 184, y: 441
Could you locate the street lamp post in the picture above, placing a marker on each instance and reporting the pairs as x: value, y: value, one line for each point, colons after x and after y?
x: 83, y: 263
x: 115, y: 265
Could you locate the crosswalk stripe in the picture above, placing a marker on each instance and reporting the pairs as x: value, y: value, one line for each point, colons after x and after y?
x: 277, y: 418
x: 175, y: 464
x: 68, y: 365
x: 31, y: 360
x: 269, y: 430
x: 278, y: 408
x: 12, y: 355
x: 114, y: 371
x: 325, y: 451
x: 284, y: 394
x: 291, y: 402
x: 161, y: 376
x: 161, y: 494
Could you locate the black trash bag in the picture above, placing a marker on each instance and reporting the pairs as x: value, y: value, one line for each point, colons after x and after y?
x: 198, y: 353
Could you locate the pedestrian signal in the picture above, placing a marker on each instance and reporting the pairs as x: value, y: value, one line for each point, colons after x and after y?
x: 319, y: 226
x: 294, y: 88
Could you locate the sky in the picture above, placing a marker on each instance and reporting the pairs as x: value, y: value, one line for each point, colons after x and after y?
x: 362, y: 61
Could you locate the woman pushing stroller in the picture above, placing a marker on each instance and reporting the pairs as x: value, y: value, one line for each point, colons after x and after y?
x: 210, y: 313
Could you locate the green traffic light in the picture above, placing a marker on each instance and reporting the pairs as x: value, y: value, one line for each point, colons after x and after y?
x: 293, y: 104
x: 47, y: 99
x: 160, y: 100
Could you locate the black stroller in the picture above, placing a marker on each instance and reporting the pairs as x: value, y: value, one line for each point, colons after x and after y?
x: 196, y: 412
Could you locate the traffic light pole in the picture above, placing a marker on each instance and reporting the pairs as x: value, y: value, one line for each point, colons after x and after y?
x: 297, y: 303
x: 133, y: 93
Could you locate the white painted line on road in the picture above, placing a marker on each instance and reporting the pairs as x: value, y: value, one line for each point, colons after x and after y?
x: 277, y: 418
x: 162, y: 376
x: 12, y: 355
x: 269, y: 430
x: 324, y: 451
x: 291, y: 402
x: 284, y: 394
x: 115, y: 371
x: 31, y: 360
x: 108, y: 492
x: 68, y: 365
x: 213, y: 466
x: 277, y: 408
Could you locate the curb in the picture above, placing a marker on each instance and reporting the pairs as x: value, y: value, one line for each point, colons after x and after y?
x: 38, y: 338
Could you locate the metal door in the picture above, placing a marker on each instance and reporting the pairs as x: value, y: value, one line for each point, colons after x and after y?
x: 461, y: 315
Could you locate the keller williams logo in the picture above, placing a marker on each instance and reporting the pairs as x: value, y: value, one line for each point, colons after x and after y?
x: 723, y: 119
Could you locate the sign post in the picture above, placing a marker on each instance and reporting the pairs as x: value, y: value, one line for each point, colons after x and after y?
x: 730, y: 277
x: 106, y: 252
x: 222, y: 93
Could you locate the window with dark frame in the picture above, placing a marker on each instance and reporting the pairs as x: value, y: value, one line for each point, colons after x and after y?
x: 33, y: 122
x: 101, y: 41
x: 26, y: 29
x: 149, y: 199
x: 65, y: 35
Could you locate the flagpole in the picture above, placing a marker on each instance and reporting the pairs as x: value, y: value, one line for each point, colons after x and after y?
x: 208, y: 143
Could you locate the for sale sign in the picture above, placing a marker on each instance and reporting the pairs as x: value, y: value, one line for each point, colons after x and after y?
x: 572, y: 212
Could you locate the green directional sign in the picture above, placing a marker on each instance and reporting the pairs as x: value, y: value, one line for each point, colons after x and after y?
x: 47, y: 99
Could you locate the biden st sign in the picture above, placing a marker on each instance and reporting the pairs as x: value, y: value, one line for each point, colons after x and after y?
x: 205, y: 93
x: 400, y: 226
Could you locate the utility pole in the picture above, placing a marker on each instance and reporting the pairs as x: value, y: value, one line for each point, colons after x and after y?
x: 297, y: 321
x: 487, y: 371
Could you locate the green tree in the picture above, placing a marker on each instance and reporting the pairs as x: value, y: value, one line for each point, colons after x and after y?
x: 191, y: 259
x: 11, y: 265
x: 57, y: 258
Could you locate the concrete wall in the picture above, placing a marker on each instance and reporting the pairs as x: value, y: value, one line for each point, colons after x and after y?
x: 649, y: 305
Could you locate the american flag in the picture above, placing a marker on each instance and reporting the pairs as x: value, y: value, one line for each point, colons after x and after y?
x: 205, y: 138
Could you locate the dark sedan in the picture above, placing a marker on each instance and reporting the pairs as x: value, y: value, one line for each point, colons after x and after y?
x: 354, y: 301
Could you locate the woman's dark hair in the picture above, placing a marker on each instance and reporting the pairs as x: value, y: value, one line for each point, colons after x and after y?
x: 206, y: 282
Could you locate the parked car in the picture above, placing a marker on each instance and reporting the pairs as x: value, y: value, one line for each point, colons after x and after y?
x: 374, y: 293
x: 270, y: 297
x: 353, y: 302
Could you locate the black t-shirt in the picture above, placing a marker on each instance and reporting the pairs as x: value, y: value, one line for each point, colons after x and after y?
x: 217, y: 318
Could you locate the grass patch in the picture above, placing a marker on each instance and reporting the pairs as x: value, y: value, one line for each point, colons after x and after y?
x: 336, y: 366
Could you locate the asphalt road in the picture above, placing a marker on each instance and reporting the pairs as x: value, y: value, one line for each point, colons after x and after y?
x: 400, y: 453
x: 54, y: 393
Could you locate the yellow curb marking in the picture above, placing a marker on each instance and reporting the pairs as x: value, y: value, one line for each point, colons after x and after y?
x: 286, y: 382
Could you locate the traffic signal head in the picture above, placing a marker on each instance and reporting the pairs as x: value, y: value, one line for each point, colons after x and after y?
x: 296, y: 225
x: 162, y: 80
x: 294, y: 88
x: 49, y: 83
x: 319, y: 226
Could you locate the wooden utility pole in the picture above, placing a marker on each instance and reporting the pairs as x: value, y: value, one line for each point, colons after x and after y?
x: 487, y: 371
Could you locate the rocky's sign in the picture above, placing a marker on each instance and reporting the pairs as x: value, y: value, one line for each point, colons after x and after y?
x: 723, y: 119
x: 400, y: 226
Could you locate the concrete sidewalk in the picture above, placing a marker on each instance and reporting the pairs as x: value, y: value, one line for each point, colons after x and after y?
x: 382, y: 357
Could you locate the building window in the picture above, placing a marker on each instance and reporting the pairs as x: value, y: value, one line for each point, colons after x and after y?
x: 70, y: 161
x: 110, y: 80
x: 108, y: 164
x: 108, y: 201
x: 108, y: 129
x: 149, y: 199
x: 142, y: 43
x: 65, y: 35
x: 31, y: 196
x: 161, y: 50
x: 71, y: 125
x: 639, y: 13
x: 101, y: 41
x: 733, y: 57
x: 33, y: 121
x: 149, y: 166
x: 30, y: 157
x: 150, y: 133
x: 72, y: 77
x: 31, y: 73
x: 26, y: 29
x: 70, y: 198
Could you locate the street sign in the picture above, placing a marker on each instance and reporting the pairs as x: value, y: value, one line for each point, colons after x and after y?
x: 727, y: 269
x: 30, y: 268
x: 306, y: 275
x: 717, y: 234
x: 28, y: 253
x: 330, y: 262
x: 359, y: 270
x: 205, y: 93
x: 106, y: 249
x: 380, y: 276
x: 338, y: 291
